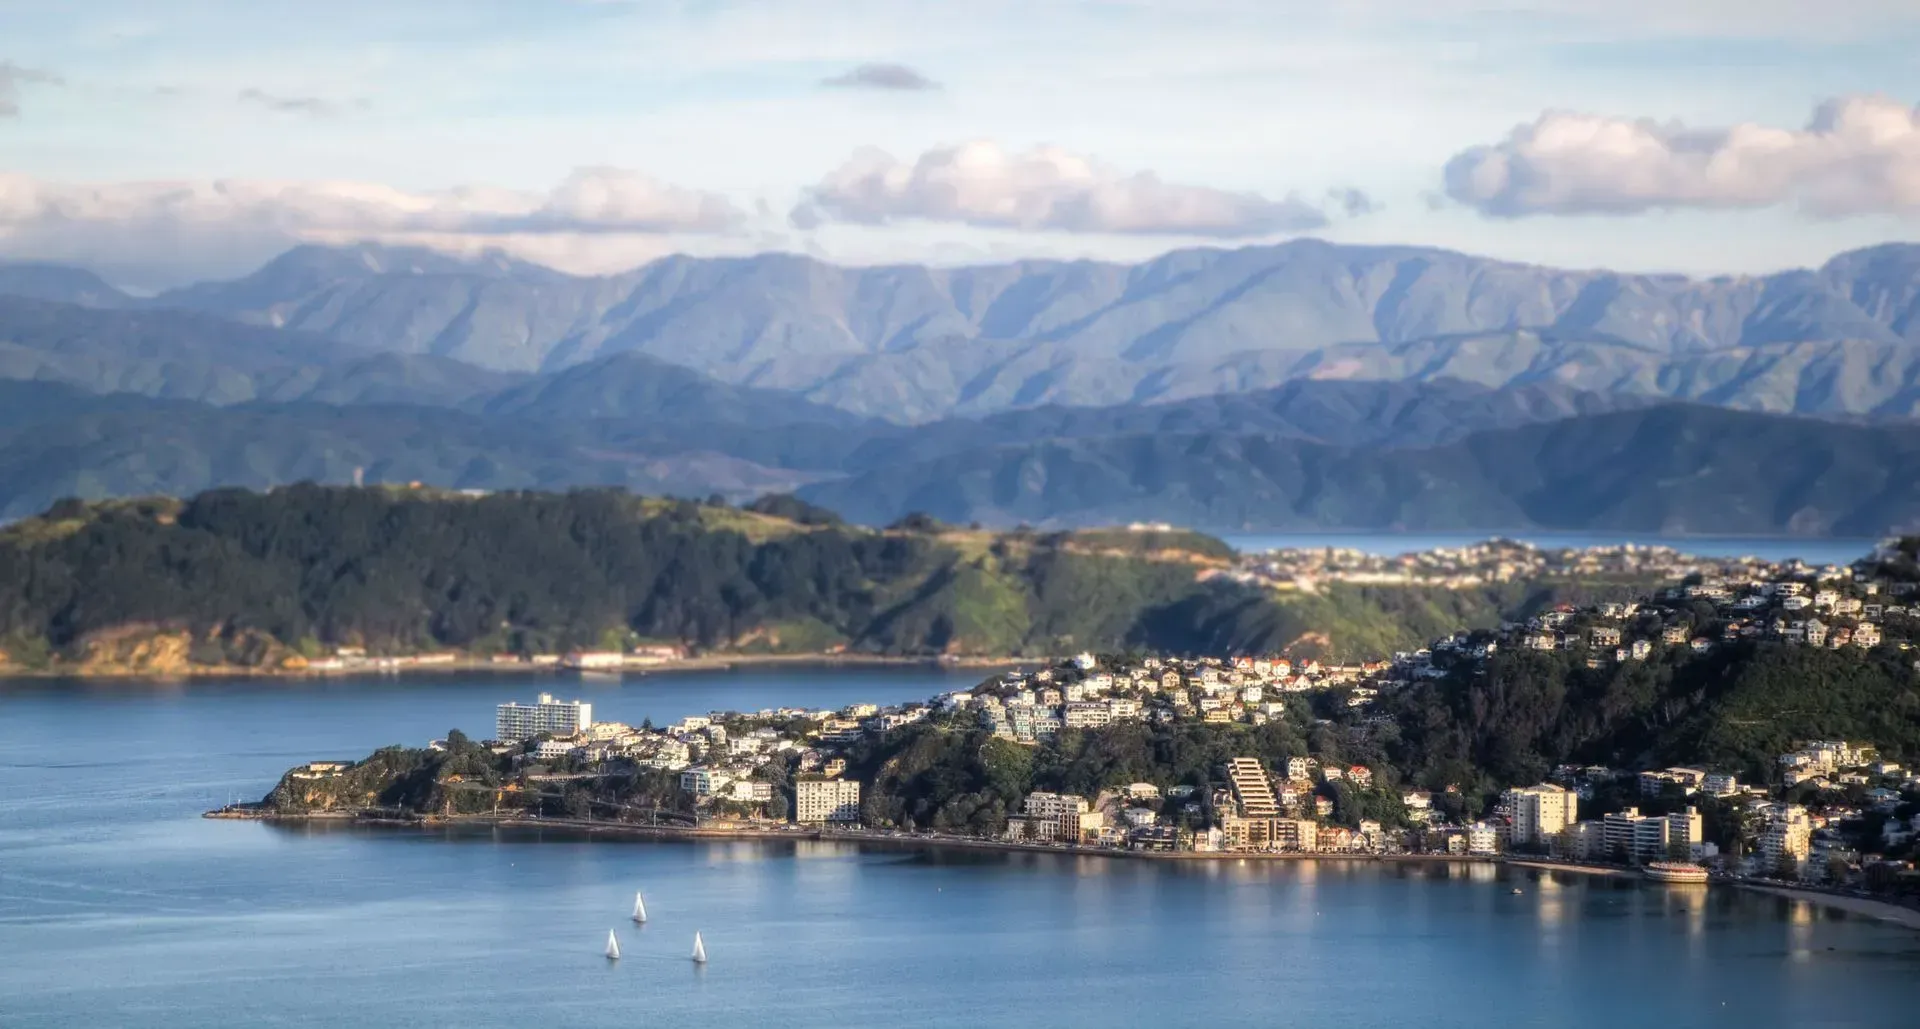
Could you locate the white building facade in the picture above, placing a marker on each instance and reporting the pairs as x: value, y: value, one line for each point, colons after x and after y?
x: 514, y: 721
x: 826, y: 800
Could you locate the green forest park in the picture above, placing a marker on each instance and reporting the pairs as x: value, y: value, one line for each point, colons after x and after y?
x: 234, y: 579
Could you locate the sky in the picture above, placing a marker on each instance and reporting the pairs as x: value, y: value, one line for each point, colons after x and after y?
x: 164, y: 141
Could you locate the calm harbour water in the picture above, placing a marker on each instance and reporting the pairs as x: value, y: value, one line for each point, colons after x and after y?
x: 1771, y: 548
x: 120, y: 906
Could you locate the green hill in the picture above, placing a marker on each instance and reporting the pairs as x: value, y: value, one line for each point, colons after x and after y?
x: 1736, y: 707
x: 235, y: 577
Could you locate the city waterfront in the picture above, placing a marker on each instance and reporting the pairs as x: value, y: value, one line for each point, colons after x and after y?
x: 119, y: 905
x: 1812, y: 549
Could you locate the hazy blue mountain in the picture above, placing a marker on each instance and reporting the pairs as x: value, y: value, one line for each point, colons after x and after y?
x: 1312, y: 454
x: 1344, y: 413
x: 57, y: 441
x: 1671, y: 468
x: 159, y: 353
x: 60, y: 283
x: 192, y: 356
x: 633, y: 387
x: 916, y: 343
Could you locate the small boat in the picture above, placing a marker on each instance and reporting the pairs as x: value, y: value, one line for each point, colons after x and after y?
x: 1518, y: 891
x: 699, y: 950
x: 639, y: 908
x: 613, y: 947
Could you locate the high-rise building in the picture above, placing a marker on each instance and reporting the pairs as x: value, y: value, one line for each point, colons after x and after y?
x: 1541, y: 813
x: 1252, y: 790
x: 1652, y: 838
x: 826, y: 800
x: 1788, y: 837
x: 1632, y: 836
x: 514, y: 721
x: 1684, y: 830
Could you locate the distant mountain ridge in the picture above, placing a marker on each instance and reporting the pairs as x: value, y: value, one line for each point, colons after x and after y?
x: 1673, y: 469
x: 914, y: 343
x: 1302, y: 385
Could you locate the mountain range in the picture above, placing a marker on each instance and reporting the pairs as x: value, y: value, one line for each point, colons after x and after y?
x: 1305, y: 384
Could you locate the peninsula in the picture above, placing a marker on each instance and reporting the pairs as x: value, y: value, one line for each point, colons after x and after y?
x: 1760, y: 727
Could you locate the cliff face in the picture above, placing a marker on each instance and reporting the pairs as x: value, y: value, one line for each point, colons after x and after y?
x: 135, y: 650
x: 463, y: 779
x: 148, y: 649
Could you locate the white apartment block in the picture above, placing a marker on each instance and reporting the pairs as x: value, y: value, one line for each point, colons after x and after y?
x: 1252, y: 788
x: 703, y: 782
x: 1541, y: 813
x: 1788, y: 836
x: 1683, y: 827
x: 826, y: 800
x: 1631, y: 836
x: 1087, y: 714
x: 514, y: 721
x: 1071, y: 815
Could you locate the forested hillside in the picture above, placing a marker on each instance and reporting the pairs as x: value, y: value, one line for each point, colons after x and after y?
x: 234, y: 577
x: 1736, y: 707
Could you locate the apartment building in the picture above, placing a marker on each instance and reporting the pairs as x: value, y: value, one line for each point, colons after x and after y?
x: 826, y: 800
x: 1252, y: 789
x: 1541, y: 813
x: 1684, y: 830
x: 1070, y: 815
x: 514, y: 722
x: 1788, y: 837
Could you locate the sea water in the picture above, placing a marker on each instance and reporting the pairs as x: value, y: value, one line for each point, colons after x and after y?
x: 120, y: 906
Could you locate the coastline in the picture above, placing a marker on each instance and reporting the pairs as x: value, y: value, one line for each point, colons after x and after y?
x: 621, y: 830
x: 705, y: 663
x: 1882, y: 910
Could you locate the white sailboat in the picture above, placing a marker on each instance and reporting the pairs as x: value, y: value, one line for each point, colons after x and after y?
x: 639, y: 907
x: 699, y: 950
x: 613, y: 946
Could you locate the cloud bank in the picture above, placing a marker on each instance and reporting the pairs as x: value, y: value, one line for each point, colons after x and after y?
x: 890, y: 78
x: 1045, y: 188
x: 1856, y: 155
x: 154, y: 233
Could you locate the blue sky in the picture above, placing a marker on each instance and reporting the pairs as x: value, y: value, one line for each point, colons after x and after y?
x: 161, y: 141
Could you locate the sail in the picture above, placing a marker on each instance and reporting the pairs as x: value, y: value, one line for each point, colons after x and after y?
x: 613, y: 946
x: 639, y: 907
x: 699, y: 950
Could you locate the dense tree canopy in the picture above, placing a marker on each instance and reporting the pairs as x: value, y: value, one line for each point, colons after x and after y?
x: 1736, y: 707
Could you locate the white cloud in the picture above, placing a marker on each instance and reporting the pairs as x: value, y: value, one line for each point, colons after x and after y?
x: 1046, y: 188
x: 1857, y: 155
x: 160, y: 233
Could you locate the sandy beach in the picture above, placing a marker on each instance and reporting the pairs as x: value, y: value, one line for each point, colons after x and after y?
x: 1884, y: 910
